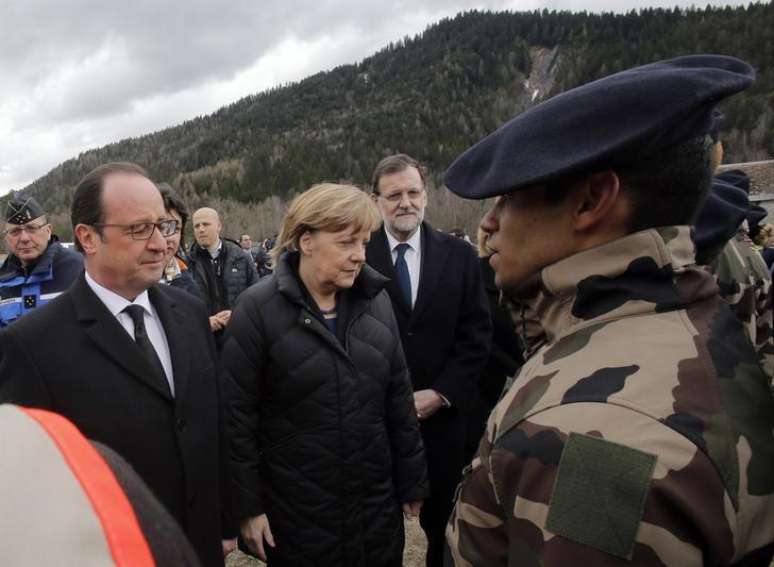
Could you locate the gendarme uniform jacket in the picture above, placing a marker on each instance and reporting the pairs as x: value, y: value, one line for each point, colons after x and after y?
x: 639, y: 433
x: 54, y: 273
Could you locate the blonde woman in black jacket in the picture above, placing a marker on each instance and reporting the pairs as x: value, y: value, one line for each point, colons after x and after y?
x: 325, y: 446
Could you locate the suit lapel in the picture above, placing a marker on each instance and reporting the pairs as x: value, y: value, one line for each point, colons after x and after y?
x: 173, y: 325
x: 380, y: 258
x: 433, y: 261
x: 110, y: 337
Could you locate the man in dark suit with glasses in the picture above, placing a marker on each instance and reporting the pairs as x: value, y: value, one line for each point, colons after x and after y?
x: 438, y: 297
x: 132, y: 364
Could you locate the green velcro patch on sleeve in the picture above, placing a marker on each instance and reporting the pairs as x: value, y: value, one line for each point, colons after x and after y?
x: 599, y: 494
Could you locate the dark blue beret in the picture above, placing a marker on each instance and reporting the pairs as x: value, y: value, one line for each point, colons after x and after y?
x: 719, y: 219
x: 737, y: 178
x: 616, y: 120
x: 740, y: 180
x: 22, y: 209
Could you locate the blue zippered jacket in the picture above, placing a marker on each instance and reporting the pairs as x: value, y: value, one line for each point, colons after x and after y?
x: 20, y: 293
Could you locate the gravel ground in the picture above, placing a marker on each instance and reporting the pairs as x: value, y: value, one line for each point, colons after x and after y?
x: 413, y: 555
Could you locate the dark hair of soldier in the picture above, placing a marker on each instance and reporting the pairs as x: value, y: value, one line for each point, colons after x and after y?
x: 394, y: 164
x: 174, y: 202
x: 667, y: 187
x: 87, y: 200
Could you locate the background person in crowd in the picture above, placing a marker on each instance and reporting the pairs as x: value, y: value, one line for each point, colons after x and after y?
x: 458, y: 232
x: 764, y: 241
x: 640, y: 432
x: 130, y: 363
x: 263, y: 262
x: 246, y: 243
x: 37, y: 268
x: 439, y: 301
x: 220, y: 268
x: 505, y: 356
x: 176, y: 272
x: 722, y: 243
x: 743, y: 278
x: 326, y: 449
x: 69, y: 502
x: 258, y: 253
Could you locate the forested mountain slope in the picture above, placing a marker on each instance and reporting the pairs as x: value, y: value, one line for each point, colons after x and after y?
x: 431, y: 96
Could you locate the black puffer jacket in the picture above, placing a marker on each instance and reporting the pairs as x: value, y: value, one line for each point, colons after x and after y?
x: 238, y: 274
x: 324, y: 436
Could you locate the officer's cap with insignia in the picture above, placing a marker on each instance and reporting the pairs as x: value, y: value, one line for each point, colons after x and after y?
x: 22, y: 209
x: 617, y: 120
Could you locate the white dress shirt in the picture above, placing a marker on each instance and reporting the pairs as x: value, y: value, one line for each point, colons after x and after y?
x: 413, y: 257
x: 215, y: 250
x: 116, y: 304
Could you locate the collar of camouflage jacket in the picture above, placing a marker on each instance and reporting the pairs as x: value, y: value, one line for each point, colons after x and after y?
x: 648, y: 271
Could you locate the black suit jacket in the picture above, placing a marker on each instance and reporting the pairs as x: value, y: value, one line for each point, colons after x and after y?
x: 446, y: 338
x: 73, y: 357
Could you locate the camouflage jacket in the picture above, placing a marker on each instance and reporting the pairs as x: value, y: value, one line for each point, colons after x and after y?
x: 745, y: 283
x: 640, y: 431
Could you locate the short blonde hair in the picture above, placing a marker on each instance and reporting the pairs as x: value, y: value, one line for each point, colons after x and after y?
x: 765, y: 234
x: 329, y: 207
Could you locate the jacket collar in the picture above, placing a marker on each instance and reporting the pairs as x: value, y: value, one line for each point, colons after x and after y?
x: 102, y: 327
x: 368, y: 283
x: 434, y: 255
x: 645, y: 272
x: 12, y: 266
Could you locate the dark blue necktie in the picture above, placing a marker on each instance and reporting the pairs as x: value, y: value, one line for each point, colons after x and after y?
x: 137, y: 313
x: 401, y: 270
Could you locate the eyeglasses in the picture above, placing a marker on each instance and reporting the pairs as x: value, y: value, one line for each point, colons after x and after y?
x: 31, y: 229
x: 144, y: 230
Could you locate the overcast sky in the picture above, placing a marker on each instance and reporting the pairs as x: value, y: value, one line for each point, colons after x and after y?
x: 80, y: 74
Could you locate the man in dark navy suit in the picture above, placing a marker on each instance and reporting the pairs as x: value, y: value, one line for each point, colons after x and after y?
x: 441, y: 307
x: 131, y: 363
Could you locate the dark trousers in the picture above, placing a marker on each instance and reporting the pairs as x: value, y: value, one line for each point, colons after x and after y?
x: 444, y: 439
x: 433, y: 518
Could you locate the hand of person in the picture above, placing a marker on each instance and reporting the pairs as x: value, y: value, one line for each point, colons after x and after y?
x: 215, y: 323
x: 228, y: 545
x: 254, y: 531
x: 224, y: 316
x: 411, y: 509
x: 427, y: 402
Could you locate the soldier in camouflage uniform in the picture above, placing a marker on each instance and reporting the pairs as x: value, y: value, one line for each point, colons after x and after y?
x: 745, y: 283
x: 722, y: 244
x: 641, y: 429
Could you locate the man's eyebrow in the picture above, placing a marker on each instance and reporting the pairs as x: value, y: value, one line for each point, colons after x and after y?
x: 141, y: 221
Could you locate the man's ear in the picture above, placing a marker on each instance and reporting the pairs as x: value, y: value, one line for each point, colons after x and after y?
x: 87, y: 236
x: 597, y: 199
